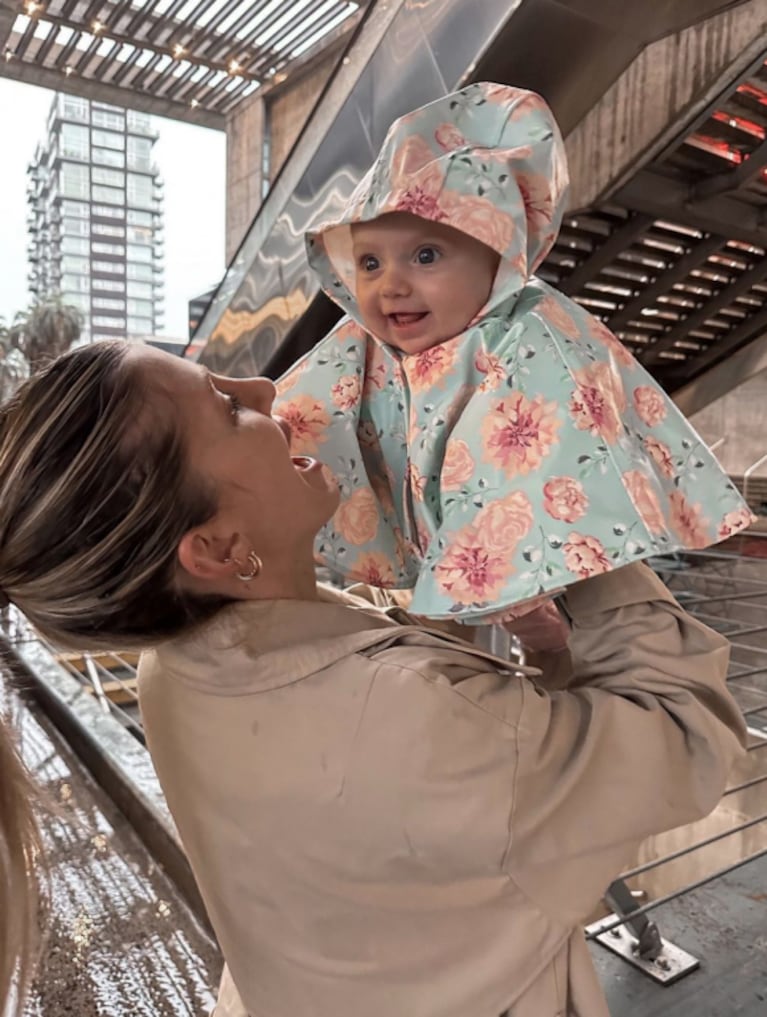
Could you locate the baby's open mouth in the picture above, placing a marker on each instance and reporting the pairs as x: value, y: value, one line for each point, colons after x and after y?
x: 411, y: 318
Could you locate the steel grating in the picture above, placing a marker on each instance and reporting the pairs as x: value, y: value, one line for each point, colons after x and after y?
x: 193, y: 59
x: 675, y: 262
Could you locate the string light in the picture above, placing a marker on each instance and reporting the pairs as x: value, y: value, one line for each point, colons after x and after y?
x: 178, y: 50
x: 194, y: 104
x: 234, y: 66
x: 97, y: 26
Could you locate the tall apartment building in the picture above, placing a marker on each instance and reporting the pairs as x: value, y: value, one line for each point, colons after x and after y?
x: 96, y: 216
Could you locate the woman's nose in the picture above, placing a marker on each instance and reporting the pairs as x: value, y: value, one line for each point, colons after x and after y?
x: 262, y: 394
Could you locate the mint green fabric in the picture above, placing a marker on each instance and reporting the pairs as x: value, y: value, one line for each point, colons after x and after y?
x: 530, y: 451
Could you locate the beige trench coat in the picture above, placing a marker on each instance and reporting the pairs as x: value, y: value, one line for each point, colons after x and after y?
x: 385, y: 822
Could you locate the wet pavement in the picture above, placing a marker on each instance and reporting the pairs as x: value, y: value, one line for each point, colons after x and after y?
x: 120, y: 939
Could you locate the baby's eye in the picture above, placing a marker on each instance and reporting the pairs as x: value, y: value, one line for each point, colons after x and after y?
x: 427, y: 255
x: 368, y: 263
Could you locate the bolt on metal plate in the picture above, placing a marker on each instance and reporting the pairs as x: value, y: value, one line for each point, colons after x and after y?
x: 671, y: 964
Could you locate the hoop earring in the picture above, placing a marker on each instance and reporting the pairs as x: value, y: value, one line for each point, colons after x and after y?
x: 255, y: 568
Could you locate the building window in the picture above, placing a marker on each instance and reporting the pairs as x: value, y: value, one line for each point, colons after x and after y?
x: 107, y: 212
x: 78, y: 300
x: 75, y: 180
x: 75, y: 227
x: 105, y: 229
x: 136, y: 218
x: 73, y: 142
x: 139, y: 326
x: 140, y: 290
x: 106, y: 139
x: 139, y: 121
x: 74, y: 108
x: 138, y: 252
x: 79, y: 208
x: 107, y: 118
x: 74, y: 245
x: 101, y: 175
x: 140, y: 190
x: 108, y: 304
x: 109, y: 285
x: 140, y: 234
x: 75, y: 283
x: 141, y: 272
x: 140, y: 153
x: 71, y: 263
x: 140, y: 308
x: 100, y: 248
x: 113, y: 267
x: 108, y: 322
x: 107, y: 157
x: 108, y: 194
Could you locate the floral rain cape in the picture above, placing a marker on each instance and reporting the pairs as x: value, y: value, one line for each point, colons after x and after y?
x: 524, y: 454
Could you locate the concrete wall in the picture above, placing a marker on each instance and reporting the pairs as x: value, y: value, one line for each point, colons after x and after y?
x: 740, y: 417
x: 289, y: 109
x: 283, y: 112
x: 244, y: 141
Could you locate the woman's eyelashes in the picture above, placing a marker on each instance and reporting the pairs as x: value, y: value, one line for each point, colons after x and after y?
x: 234, y: 404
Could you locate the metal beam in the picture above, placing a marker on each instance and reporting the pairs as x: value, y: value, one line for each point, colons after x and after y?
x: 615, y: 244
x: 665, y: 282
x: 723, y: 298
x: 667, y: 198
x: 718, y: 381
x: 734, y: 179
x: 101, y: 91
x: 754, y: 329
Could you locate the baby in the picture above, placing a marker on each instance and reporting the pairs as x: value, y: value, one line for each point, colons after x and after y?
x: 492, y: 440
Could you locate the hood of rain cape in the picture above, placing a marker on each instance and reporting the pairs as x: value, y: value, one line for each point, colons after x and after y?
x: 526, y: 453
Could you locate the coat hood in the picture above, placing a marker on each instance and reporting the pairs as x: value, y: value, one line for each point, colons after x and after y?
x: 488, y: 161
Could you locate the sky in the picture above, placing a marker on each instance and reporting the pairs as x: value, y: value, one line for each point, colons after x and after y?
x: 192, y: 162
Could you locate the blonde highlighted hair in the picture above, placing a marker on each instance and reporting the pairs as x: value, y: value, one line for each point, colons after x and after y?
x: 95, y: 495
x: 21, y: 878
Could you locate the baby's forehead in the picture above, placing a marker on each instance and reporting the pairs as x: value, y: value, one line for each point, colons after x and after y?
x: 400, y: 225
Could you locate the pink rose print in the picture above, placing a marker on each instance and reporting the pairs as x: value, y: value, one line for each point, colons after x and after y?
x: 430, y: 368
x: 504, y: 522
x: 649, y: 404
x: 346, y: 392
x: 471, y: 573
x: 491, y: 366
x: 585, y: 556
x: 536, y: 194
x: 477, y: 564
x: 645, y: 500
x: 375, y: 370
x: 308, y: 420
x: 416, y: 180
x: 373, y: 567
x: 457, y: 466
x: 412, y: 155
x: 598, y: 401
x: 688, y: 522
x: 735, y: 521
x: 660, y: 454
x: 553, y: 312
x: 448, y: 137
x: 600, y: 333
x: 518, y: 433
x: 479, y: 218
x: 565, y: 499
x: 357, y: 517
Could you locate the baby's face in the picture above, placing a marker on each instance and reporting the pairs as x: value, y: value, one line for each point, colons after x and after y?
x: 419, y: 283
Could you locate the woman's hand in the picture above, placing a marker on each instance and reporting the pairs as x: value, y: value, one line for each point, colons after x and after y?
x: 540, y: 629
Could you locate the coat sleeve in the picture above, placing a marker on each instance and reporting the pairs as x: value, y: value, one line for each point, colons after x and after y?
x: 641, y: 741
x: 565, y: 783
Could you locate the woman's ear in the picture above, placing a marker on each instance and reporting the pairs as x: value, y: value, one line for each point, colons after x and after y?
x: 205, y: 556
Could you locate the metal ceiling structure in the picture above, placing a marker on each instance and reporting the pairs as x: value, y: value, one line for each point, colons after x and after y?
x: 675, y: 263
x: 193, y: 60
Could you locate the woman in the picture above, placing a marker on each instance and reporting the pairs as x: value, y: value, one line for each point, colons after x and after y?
x: 381, y: 819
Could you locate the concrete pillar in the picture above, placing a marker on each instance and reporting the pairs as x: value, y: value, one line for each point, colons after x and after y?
x: 290, y: 107
x: 738, y: 417
x: 672, y: 80
x: 244, y: 147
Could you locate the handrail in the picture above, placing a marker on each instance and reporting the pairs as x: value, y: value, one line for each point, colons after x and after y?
x: 747, y: 474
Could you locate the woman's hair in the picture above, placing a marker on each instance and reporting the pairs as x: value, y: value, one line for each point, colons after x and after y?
x: 21, y: 867
x: 95, y: 495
